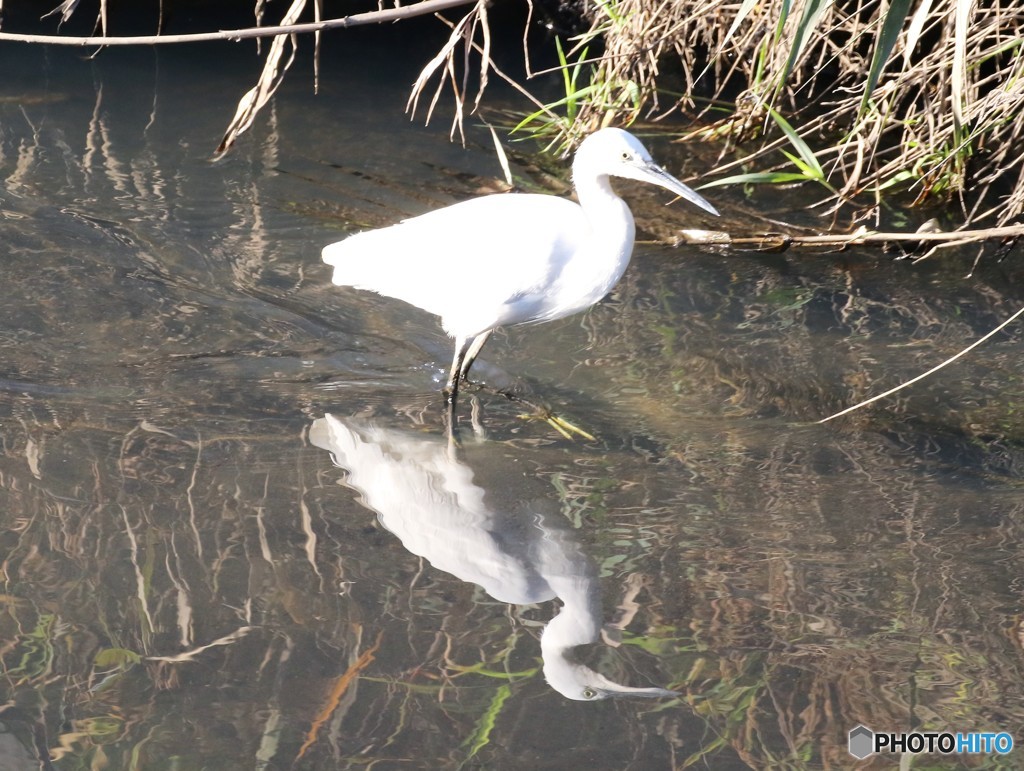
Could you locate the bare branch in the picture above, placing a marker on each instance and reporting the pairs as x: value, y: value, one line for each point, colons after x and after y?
x: 356, y: 20
x: 780, y: 242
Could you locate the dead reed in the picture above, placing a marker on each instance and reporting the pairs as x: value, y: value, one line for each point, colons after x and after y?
x: 924, y: 97
x: 891, y: 95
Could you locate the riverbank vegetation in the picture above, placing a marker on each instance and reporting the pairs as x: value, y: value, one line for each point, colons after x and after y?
x: 864, y: 100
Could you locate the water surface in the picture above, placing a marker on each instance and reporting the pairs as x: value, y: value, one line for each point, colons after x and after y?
x: 234, y: 535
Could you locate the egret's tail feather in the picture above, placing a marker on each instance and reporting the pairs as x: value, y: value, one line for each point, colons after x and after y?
x: 350, y: 260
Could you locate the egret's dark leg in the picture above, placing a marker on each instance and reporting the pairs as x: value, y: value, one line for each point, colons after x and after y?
x: 472, y: 352
x: 451, y: 390
x: 466, y: 351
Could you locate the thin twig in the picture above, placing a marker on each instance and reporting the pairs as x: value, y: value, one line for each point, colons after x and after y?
x: 779, y: 242
x: 356, y: 20
x: 950, y: 360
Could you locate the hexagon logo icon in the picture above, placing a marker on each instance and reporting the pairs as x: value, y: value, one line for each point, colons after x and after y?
x: 861, y: 742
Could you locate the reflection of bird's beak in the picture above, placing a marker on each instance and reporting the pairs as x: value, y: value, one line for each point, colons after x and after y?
x: 653, y: 173
x: 581, y: 683
x: 617, y: 690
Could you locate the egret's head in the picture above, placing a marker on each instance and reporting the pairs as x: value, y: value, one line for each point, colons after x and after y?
x: 576, y: 624
x: 581, y: 683
x: 617, y: 153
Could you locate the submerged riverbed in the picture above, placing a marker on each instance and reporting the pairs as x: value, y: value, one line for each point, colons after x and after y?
x: 234, y: 535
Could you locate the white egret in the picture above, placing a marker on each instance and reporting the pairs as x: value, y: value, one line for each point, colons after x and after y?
x: 510, y: 258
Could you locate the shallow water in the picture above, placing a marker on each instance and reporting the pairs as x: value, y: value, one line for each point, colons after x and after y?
x: 193, y: 582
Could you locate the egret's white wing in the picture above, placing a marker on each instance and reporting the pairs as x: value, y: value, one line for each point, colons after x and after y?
x: 431, y: 503
x: 477, y: 263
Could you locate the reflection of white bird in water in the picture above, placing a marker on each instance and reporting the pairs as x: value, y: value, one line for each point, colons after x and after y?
x: 510, y: 259
x: 429, y: 500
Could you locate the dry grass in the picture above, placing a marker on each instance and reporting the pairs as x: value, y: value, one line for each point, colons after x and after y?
x: 925, y: 97
x: 894, y: 95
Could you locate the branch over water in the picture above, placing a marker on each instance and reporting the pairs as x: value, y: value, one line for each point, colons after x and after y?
x: 356, y: 20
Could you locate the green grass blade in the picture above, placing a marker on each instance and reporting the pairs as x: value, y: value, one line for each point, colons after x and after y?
x: 805, y: 31
x: 741, y: 14
x: 482, y: 732
x: 916, y: 28
x: 959, y: 74
x: 548, y: 108
x: 563, y: 64
x: 758, y: 178
x: 896, y: 179
x: 808, y: 171
x: 799, y: 145
x: 891, y: 26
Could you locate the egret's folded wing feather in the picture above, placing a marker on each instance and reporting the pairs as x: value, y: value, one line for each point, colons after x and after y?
x: 470, y: 261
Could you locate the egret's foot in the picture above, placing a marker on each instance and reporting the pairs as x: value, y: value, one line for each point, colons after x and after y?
x: 560, y: 424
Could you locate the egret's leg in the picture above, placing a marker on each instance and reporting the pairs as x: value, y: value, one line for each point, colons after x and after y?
x: 463, y: 345
x: 451, y: 389
x: 472, y: 352
x: 466, y: 351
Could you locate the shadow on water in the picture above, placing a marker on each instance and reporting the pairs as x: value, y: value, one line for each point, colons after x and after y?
x: 187, y: 585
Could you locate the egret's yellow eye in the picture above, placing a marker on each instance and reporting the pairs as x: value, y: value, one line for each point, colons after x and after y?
x: 590, y: 693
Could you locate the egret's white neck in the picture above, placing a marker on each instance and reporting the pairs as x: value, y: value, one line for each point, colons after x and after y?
x: 607, y: 212
x: 610, y: 242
